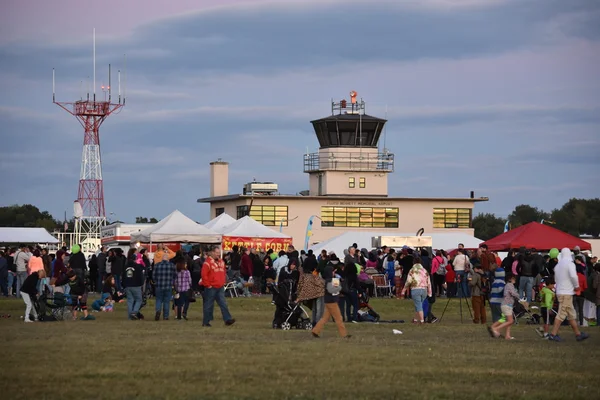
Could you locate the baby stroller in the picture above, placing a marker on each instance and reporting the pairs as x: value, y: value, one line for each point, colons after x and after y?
x: 366, y: 312
x: 53, y: 307
x: 519, y: 311
x: 287, y: 312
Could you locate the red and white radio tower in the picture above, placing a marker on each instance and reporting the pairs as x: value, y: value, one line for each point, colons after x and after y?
x: 89, y: 211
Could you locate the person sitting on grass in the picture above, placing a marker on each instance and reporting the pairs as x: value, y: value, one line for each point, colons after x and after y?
x: 547, y: 296
x: 78, y: 293
x: 420, y: 288
x: 567, y: 283
x: 109, y: 287
x: 510, y: 296
x: 29, y: 292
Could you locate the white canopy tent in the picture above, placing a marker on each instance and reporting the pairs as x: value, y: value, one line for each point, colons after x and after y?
x: 248, y: 227
x: 445, y: 241
x: 26, y: 235
x: 219, y: 223
x: 176, y: 227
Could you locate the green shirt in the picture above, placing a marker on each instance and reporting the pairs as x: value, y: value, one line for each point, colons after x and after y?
x: 547, y: 298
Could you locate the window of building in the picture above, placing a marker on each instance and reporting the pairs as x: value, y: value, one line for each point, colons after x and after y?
x: 362, y: 183
x: 351, y: 183
x: 270, y: 215
x: 219, y: 211
x: 242, y: 211
x: 362, y: 217
x: 451, y: 217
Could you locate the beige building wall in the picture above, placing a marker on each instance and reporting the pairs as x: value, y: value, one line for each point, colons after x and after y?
x: 413, y: 215
x: 337, y: 183
x: 219, y: 178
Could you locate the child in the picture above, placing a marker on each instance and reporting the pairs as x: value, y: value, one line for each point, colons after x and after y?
x: 477, y: 283
x: 183, y: 283
x: 29, y: 293
x: 547, y: 295
x: 510, y: 296
x: 78, y: 294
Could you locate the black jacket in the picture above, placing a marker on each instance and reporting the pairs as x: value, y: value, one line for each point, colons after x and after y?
x: 77, y: 285
x: 133, y: 275
x: 258, y: 267
x: 77, y: 261
x: 101, y: 261
x: 30, y: 285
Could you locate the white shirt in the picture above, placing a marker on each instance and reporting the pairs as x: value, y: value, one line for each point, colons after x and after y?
x: 565, y: 275
x: 460, y: 261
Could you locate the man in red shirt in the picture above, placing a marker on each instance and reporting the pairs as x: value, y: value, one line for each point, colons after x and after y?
x: 213, y: 280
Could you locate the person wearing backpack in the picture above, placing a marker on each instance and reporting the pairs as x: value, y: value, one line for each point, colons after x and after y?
x: 438, y: 272
x: 478, y: 282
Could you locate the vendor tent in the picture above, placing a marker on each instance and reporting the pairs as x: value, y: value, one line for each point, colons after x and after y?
x: 26, y: 235
x: 220, y: 223
x: 249, y: 233
x: 176, y: 227
x: 536, y: 236
x: 363, y: 239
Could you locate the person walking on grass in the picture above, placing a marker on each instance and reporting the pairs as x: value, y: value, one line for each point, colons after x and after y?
x: 420, y: 288
x: 510, y: 296
x: 164, y: 275
x: 183, y: 283
x: 29, y: 292
x: 567, y: 284
x: 213, y: 280
x: 333, y: 288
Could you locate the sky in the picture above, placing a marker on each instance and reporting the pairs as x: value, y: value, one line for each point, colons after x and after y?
x: 501, y: 97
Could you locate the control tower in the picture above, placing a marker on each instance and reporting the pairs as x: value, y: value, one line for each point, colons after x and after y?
x: 348, y: 161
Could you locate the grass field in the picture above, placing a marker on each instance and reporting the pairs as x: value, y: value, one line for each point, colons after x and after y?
x: 113, y: 358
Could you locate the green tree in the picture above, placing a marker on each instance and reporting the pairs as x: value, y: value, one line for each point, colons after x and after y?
x: 27, y: 216
x: 488, y: 226
x: 524, y: 214
x: 144, y: 220
x: 578, y: 217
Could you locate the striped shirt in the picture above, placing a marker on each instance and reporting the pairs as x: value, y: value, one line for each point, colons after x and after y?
x: 183, y: 283
x: 497, y: 292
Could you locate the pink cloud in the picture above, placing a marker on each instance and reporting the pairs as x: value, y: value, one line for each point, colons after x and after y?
x: 70, y: 19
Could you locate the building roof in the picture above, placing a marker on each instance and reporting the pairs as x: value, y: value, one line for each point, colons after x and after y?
x: 349, y: 117
x: 232, y: 197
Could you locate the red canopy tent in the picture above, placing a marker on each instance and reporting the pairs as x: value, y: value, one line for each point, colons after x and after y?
x: 536, y: 236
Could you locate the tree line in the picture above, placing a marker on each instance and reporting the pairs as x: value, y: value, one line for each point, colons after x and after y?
x: 576, y: 217
x: 29, y: 216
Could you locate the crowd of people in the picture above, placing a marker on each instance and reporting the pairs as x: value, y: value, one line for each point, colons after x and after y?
x: 564, y: 283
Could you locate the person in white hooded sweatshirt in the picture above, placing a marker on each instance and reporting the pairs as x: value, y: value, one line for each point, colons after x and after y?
x: 567, y: 284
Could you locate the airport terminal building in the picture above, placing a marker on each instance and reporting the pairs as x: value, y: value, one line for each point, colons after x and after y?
x: 348, y: 188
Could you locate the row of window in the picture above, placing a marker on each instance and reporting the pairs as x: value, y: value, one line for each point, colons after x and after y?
x: 363, y: 217
x: 362, y: 182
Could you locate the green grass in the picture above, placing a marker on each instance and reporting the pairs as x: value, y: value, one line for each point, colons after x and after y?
x: 113, y: 358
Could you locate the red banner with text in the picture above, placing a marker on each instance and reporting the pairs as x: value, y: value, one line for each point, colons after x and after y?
x: 277, y: 244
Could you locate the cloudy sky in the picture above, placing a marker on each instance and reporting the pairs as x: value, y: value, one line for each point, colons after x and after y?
x: 498, y: 96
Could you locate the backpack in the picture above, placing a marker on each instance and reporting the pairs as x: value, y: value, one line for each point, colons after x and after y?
x: 442, y: 268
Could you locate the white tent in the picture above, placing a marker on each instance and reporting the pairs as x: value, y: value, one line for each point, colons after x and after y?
x: 176, y: 227
x: 445, y: 241
x: 26, y: 235
x: 248, y: 227
x: 220, y: 223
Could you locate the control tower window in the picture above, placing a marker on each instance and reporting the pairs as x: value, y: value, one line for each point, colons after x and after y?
x: 362, y: 183
x: 351, y: 183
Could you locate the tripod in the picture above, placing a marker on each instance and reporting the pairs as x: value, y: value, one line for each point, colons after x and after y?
x: 461, y: 297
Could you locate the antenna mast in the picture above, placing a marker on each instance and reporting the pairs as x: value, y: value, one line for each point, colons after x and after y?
x: 91, y: 216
